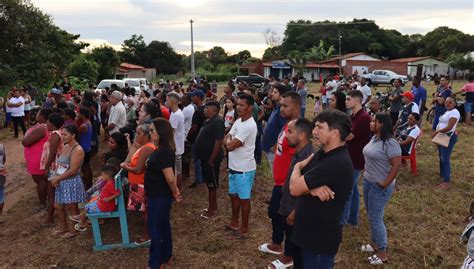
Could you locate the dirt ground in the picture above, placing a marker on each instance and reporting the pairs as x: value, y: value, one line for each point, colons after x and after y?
x: 424, y: 224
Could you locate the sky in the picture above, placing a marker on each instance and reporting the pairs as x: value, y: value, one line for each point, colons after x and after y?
x: 239, y: 25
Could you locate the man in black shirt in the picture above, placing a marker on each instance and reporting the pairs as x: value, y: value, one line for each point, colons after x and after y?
x: 197, y: 98
x: 208, y: 148
x: 322, y: 183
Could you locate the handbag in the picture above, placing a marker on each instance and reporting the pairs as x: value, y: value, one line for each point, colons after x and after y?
x: 441, y: 139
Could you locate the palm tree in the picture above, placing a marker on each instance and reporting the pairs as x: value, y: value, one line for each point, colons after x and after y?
x: 319, y: 53
x: 298, y: 60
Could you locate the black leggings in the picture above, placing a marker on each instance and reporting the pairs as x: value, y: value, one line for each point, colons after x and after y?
x: 21, y: 121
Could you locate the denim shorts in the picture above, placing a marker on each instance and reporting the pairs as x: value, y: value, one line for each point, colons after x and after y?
x: 92, y: 207
x: 468, y: 107
x: 2, y: 194
x: 240, y: 183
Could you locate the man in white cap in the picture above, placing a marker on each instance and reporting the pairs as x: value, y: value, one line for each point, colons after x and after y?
x: 118, y: 113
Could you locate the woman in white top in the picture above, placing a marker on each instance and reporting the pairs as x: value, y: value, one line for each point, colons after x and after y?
x: 447, y: 124
x: 27, y: 106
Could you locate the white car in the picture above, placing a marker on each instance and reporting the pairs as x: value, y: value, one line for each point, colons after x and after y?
x: 384, y: 77
x: 139, y: 84
x: 107, y: 82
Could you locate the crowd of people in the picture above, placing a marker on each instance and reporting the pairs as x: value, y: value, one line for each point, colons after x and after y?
x: 154, y: 136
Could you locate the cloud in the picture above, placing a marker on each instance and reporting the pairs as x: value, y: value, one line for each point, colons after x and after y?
x: 256, y: 49
x: 95, y: 43
x: 239, y: 24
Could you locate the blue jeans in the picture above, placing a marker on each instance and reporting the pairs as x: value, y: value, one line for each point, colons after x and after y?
x: 317, y: 261
x: 435, y: 120
x: 278, y: 222
x: 197, y: 166
x: 159, y: 228
x: 444, y: 158
x: 351, y: 209
x: 375, y: 200
x: 302, y: 112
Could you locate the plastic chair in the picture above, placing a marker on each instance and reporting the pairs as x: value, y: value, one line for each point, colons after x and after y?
x: 412, y: 156
x: 120, y: 213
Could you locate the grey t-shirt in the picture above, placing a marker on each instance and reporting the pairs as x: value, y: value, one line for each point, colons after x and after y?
x: 377, y: 155
x: 396, y: 106
x: 303, y: 94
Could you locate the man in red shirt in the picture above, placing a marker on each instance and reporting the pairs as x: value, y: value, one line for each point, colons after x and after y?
x: 290, y: 110
x: 360, y: 135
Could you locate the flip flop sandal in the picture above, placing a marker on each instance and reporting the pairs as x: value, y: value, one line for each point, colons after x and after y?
x: 59, y: 232
x: 142, y: 243
x: 68, y: 235
x: 75, y: 218
x: 80, y: 228
x: 229, y: 228
x: 264, y: 248
x: 375, y: 260
x: 367, y: 248
x: 277, y: 264
x: 236, y: 235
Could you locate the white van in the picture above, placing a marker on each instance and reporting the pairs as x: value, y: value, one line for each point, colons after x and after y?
x: 107, y: 82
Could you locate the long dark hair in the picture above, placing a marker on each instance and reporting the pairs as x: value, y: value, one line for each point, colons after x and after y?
x: 340, y: 101
x: 121, y: 151
x: 387, y: 128
x: 165, y: 132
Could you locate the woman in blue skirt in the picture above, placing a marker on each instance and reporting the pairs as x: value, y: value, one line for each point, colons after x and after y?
x: 67, y: 181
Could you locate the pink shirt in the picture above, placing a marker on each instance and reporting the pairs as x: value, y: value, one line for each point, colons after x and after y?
x: 33, y: 153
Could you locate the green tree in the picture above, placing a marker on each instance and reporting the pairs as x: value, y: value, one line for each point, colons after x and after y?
x: 298, y: 60
x: 107, y: 59
x: 375, y: 47
x: 216, y: 55
x: 461, y: 61
x: 443, y: 41
x: 272, y: 53
x: 84, y: 69
x: 33, y: 49
x: 133, y: 50
x: 320, y: 53
x: 161, y: 55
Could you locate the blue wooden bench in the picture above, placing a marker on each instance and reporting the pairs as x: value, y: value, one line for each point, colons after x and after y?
x: 120, y: 213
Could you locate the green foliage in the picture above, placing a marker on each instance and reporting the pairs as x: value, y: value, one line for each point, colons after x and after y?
x: 298, y: 60
x: 107, y: 60
x: 133, y: 50
x: 216, y: 55
x: 320, y: 53
x: 33, y: 49
x: 79, y: 83
x: 161, y: 55
x: 443, y: 41
x: 157, y: 54
x: 84, y: 69
x: 461, y: 61
x: 272, y: 53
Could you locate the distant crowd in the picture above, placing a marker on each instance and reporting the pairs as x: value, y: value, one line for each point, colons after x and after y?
x: 151, y: 137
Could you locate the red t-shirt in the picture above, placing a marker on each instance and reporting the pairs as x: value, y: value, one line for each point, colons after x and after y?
x: 361, y: 131
x: 165, y: 111
x: 283, y: 155
x: 107, y: 191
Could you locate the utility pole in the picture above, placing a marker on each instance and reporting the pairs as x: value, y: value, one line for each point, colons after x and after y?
x: 340, y: 50
x: 193, y: 70
x: 340, y: 37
